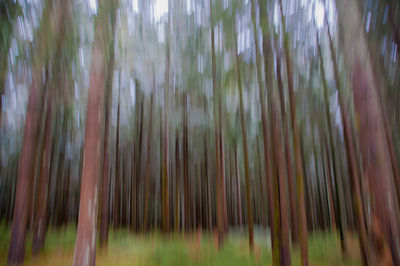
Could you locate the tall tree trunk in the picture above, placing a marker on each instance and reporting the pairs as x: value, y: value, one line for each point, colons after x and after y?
x: 185, y: 165
x: 165, y: 190
x: 239, y: 200
x: 105, y: 187
x: 328, y: 121
x: 85, y: 248
x: 216, y: 135
x: 261, y: 188
x: 292, y: 192
x: 266, y: 51
x: 40, y: 221
x: 351, y: 159
x: 297, y: 152
x: 148, y: 161
x: 371, y: 129
x: 117, y: 183
x: 245, y: 151
x: 26, y: 164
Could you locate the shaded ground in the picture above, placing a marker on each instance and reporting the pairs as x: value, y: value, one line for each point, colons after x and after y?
x: 126, y: 248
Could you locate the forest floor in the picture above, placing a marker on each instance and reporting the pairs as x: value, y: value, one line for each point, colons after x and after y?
x: 125, y: 248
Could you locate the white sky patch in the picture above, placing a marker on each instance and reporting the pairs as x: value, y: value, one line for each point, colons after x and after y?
x: 135, y: 6
x: 93, y: 5
x: 319, y: 14
x: 160, y: 9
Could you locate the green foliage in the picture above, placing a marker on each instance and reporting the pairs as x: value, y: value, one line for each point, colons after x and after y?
x: 125, y: 248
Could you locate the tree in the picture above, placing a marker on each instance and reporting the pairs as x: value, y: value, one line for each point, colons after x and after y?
x: 85, y: 247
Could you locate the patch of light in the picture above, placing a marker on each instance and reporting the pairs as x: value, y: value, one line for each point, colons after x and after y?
x: 160, y: 9
x: 319, y: 14
x: 93, y: 5
x: 135, y: 6
x: 189, y: 7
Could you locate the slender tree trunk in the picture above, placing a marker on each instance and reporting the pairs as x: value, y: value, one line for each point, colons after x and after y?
x: 165, y: 193
x: 239, y: 200
x: 261, y: 188
x: 117, y: 184
x: 148, y: 161
x: 245, y: 151
x: 268, y: 172
x: 185, y: 165
x: 328, y: 121
x: 40, y: 221
x: 216, y: 137
x: 292, y: 192
x: 105, y: 187
x: 297, y: 152
x: 85, y: 248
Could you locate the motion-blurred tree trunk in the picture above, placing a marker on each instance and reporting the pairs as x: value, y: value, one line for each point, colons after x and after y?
x: 296, y: 144
x: 117, y: 183
x: 165, y: 168
x: 52, y: 11
x: 105, y: 187
x: 328, y: 164
x: 376, y: 167
x: 267, y: 156
x: 292, y: 192
x: 218, y: 178
x: 40, y: 221
x: 245, y: 151
x: 351, y: 159
x: 85, y: 248
x: 148, y: 161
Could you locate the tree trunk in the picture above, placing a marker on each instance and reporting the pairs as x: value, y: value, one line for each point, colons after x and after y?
x: 216, y: 136
x: 297, y: 152
x: 292, y: 192
x: 117, y: 184
x: 351, y: 159
x: 40, y: 221
x: 105, y: 187
x: 245, y: 151
x: 85, y: 248
x: 148, y: 161
x: 268, y: 171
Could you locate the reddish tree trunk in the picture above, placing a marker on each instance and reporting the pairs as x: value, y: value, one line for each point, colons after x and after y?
x: 40, y: 221
x: 24, y: 182
x: 292, y: 192
x: 267, y: 56
x: 297, y: 152
x: 85, y: 248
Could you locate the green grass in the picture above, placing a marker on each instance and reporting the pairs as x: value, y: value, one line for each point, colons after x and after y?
x: 126, y: 248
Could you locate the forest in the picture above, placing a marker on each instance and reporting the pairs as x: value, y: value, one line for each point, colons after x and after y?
x: 200, y: 132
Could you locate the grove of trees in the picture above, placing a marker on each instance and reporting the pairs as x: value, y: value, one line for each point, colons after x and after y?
x: 270, y: 117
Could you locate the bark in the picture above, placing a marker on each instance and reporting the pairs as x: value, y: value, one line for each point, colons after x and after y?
x: 185, y: 165
x: 148, y: 161
x: 292, y: 192
x: 105, y: 187
x: 245, y: 151
x: 40, y: 221
x: 165, y: 181
x: 261, y: 187
x: 239, y: 201
x: 266, y: 144
x: 216, y: 136
x: 85, y: 248
x: 297, y: 152
x: 351, y: 159
x: 117, y: 183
